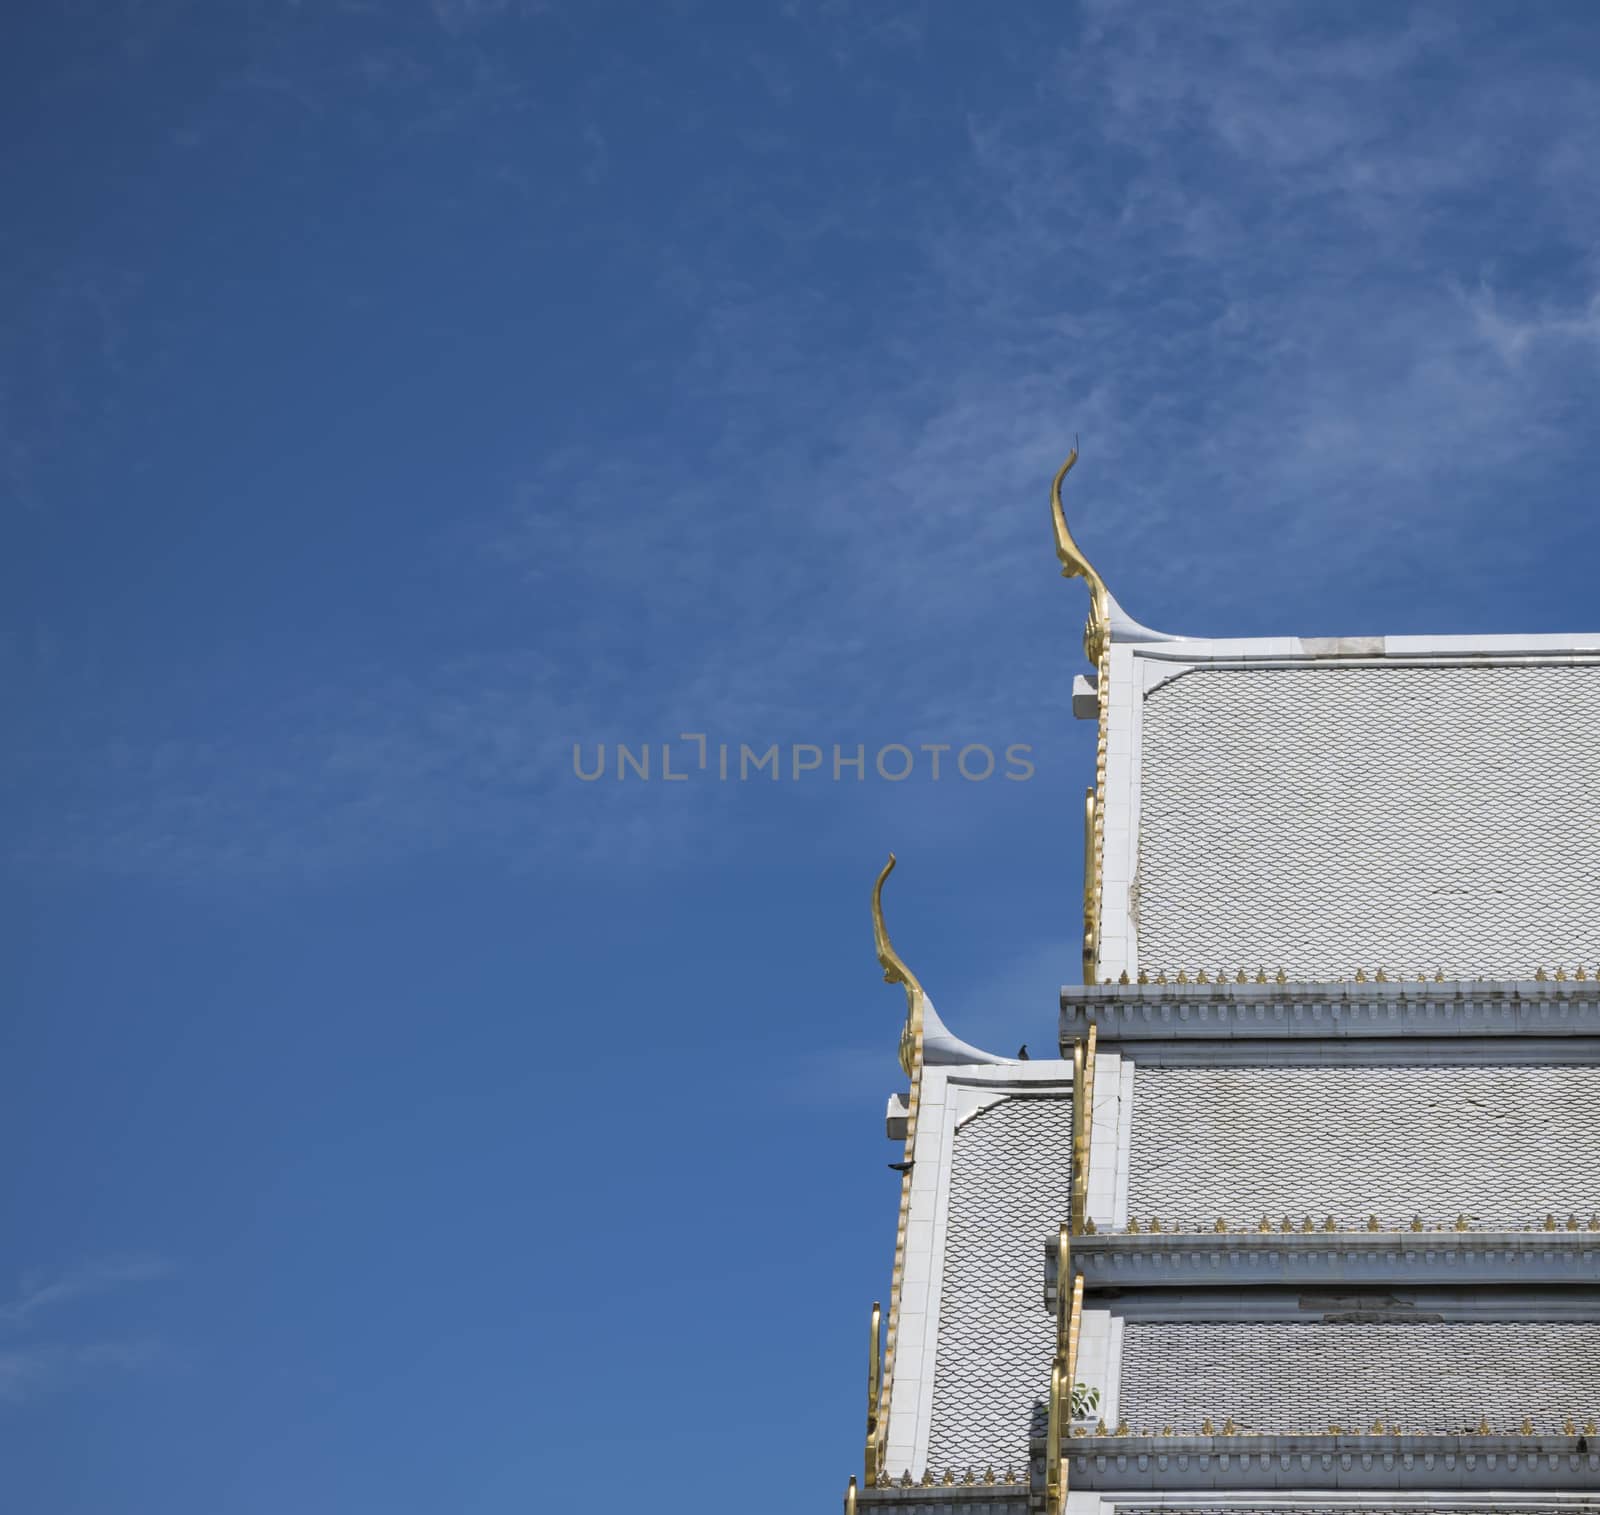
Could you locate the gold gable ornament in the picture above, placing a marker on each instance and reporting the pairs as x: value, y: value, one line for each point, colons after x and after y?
x: 1074, y: 565
x: 895, y: 971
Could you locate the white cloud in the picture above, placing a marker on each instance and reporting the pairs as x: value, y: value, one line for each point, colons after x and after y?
x: 32, y: 1370
x: 39, y: 1291
x: 1518, y: 339
x: 30, y: 1365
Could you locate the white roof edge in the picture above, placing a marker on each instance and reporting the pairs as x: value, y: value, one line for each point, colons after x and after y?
x: 942, y: 1048
x: 1339, y: 649
x: 1125, y: 629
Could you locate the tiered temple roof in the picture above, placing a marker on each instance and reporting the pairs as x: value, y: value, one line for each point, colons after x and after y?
x: 1320, y: 1157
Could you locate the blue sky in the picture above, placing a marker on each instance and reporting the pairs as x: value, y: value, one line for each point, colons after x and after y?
x: 395, y: 395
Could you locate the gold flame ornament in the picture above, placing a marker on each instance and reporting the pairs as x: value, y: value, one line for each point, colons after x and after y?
x: 895, y: 971
x: 1074, y: 565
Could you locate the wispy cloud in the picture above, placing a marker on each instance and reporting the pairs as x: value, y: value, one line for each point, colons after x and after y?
x: 31, y: 1362
x: 27, y: 1371
x: 1518, y: 338
x: 40, y: 1291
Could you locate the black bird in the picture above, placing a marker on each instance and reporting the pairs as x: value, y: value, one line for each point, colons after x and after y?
x: 1022, y: 1053
x: 903, y: 1167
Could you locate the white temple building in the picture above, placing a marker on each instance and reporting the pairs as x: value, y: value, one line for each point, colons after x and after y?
x: 1305, y: 1218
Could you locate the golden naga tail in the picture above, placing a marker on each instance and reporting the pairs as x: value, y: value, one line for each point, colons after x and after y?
x: 1074, y: 565
x: 895, y: 971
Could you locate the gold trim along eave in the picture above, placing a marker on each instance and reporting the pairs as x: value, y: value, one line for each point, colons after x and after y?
x: 1097, y: 648
x: 1107, y: 623
x: 874, y: 1388
x: 1083, y: 1060
x: 895, y: 971
x: 1063, y: 1380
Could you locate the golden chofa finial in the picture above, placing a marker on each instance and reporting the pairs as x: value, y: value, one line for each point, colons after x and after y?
x: 896, y: 972
x: 1097, y: 630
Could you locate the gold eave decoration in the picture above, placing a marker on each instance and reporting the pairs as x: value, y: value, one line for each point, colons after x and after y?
x: 1074, y: 565
x: 1096, y: 646
x: 1097, y: 638
x: 1107, y: 621
x: 895, y: 971
x: 1083, y: 1059
x: 874, y: 1393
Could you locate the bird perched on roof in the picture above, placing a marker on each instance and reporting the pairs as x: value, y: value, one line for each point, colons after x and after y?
x: 1022, y: 1053
x: 904, y: 1167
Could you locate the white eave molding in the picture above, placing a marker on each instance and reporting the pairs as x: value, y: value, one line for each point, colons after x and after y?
x: 1236, y: 1463
x: 1242, y: 1259
x: 1319, y: 1011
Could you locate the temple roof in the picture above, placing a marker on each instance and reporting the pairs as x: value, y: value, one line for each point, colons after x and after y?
x: 1010, y: 1184
x: 1502, y: 1144
x: 1310, y: 1205
x: 1413, y: 804
x: 1433, y: 1377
